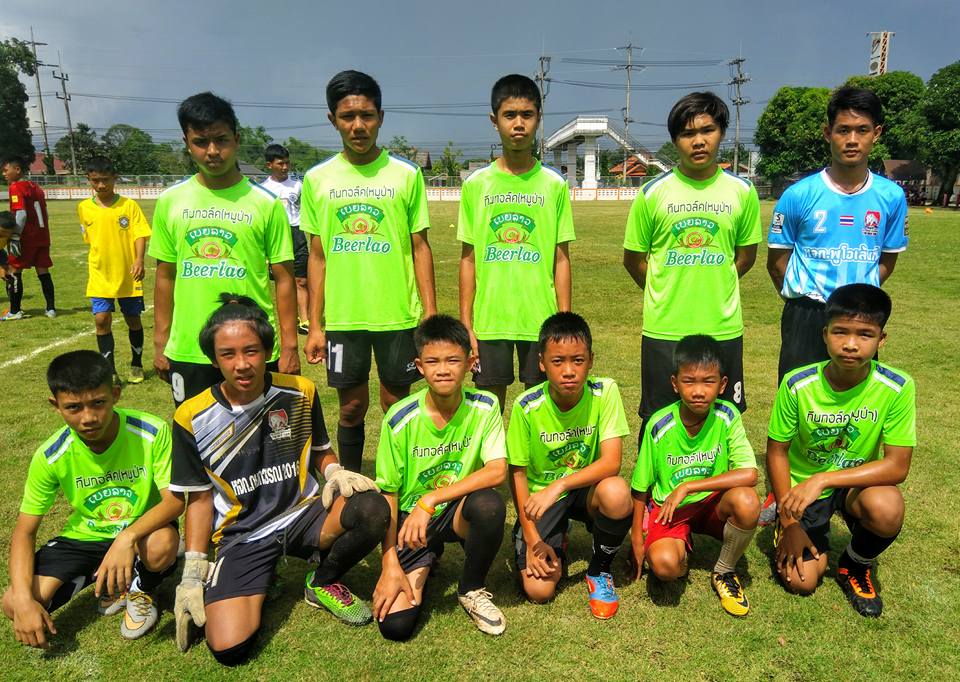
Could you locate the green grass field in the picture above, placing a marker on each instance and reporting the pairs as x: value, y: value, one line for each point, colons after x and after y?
x: 661, y: 632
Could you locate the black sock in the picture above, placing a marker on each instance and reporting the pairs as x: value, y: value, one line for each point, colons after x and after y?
x: 15, y: 291
x: 236, y: 654
x: 485, y: 512
x: 46, y: 285
x: 350, y: 446
x: 136, y: 346
x: 106, y: 348
x: 399, y: 626
x: 365, y: 517
x: 146, y: 580
x: 864, y: 547
x: 608, y: 535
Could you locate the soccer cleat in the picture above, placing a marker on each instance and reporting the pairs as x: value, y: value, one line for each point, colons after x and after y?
x: 109, y: 606
x: 338, y: 600
x: 11, y: 317
x: 51, y: 313
x: 136, y: 375
x: 732, y: 599
x: 484, y: 613
x: 139, y: 617
x: 768, y: 512
x: 604, y: 602
x: 857, y: 585
x: 303, y: 327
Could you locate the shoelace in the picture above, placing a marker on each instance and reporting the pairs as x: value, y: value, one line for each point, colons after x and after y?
x: 141, y: 602
x: 604, y: 584
x: 861, y: 580
x: 483, y: 605
x: 729, y: 581
x: 339, y: 592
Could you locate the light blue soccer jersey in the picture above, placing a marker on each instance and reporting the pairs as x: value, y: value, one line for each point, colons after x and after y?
x: 837, y: 238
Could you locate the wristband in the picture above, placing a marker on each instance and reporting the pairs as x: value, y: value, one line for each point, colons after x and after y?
x: 424, y: 507
x: 330, y: 470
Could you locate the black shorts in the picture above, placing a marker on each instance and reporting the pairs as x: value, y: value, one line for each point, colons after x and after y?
x: 247, y: 568
x: 816, y: 520
x: 188, y: 379
x: 439, y: 533
x: 348, y: 357
x: 72, y: 562
x: 801, y: 334
x: 496, y: 363
x: 553, y: 525
x: 301, y: 252
x: 656, y: 367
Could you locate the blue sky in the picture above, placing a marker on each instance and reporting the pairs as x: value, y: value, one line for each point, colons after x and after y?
x: 449, y: 53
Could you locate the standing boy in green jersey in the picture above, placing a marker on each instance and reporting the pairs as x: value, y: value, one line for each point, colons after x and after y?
x: 366, y: 210
x: 515, y: 225
x: 565, y: 445
x: 696, y: 473
x: 113, y: 467
x: 692, y: 232
x: 440, y: 457
x: 216, y: 232
x: 829, y: 423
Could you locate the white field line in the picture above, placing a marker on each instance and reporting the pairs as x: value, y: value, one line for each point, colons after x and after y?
x: 50, y: 346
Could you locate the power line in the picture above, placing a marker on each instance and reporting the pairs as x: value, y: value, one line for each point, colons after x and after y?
x: 644, y: 63
x: 63, y: 78
x: 657, y: 86
x: 43, y: 121
x: 737, y: 80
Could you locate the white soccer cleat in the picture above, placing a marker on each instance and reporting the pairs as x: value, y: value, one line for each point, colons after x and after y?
x: 484, y: 613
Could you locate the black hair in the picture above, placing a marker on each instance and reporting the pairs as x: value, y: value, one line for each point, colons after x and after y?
x: 236, y: 308
x: 202, y: 110
x: 698, y: 350
x: 15, y: 161
x: 348, y: 83
x: 514, y: 85
x: 562, y: 327
x: 274, y: 152
x: 863, y: 301
x: 860, y: 100
x: 100, y: 164
x: 7, y: 221
x: 78, y: 371
x: 690, y: 106
x: 439, y: 328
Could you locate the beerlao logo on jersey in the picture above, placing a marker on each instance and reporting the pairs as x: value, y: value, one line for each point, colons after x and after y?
x: 871, y: 223
x: 211, y: 246
x: 829, y: 445
x: 113, y: 504
x: 278, y: 422
x: 572, y: 455
x: 441, y: 475
x: 695, y: 235
x: 512, y: 230
x: 361, y: 224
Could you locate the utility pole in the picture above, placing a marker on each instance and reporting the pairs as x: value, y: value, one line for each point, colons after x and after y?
x: 737, y: 80
x: 544, y: 84
x: 63, y: 78
x: 629, y: 67
x: 43, y: 121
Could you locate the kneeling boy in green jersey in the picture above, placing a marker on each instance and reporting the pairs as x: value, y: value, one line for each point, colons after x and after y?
x: 440, y: 457
x: 829, y: 423
x: 113, y: 467
x: 565, y: 445
x: 696, y: 473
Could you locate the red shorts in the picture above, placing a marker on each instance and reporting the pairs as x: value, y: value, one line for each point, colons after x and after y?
x: 698, y: 517
x: 31, y: 255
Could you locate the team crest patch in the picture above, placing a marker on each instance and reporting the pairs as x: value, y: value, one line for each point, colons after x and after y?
x: 871, y: 223
x: 776, y: 227
x: 277, y: 419
x: 124, y: 222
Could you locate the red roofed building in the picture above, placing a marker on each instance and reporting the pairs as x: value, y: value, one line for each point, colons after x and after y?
x: 38, y: 167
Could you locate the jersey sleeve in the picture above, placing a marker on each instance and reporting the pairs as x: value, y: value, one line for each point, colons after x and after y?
x: 418, y: 216
x: 637, y: 236
x: 389, y: 461
x: 18, y: 200
x: 277, y: 238
x: 784, y: 419
x: 83, y: 227
x: 749, y: 230
x: 466, y: 230
x: 161, y: 245
x: 494, y: 444
x: 40, y: 489
x: 313, y: 214
x: 895, y: 238
x: 784, y: 224
x: 900, y: 424
x: 321, y: 439
x: 740, y: 453
x: 565, y: 231
x: 613, y: 418
x: 518, y: 437
x: 140, y: 226
x: 187, y: 471
x: 162, y: 456
x: 643, y: 479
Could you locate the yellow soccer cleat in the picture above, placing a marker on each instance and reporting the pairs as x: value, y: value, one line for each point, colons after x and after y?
x: 732, y: 599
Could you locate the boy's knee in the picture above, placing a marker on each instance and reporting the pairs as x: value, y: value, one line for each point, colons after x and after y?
x: 367, y: 510
x: 399, y: 626
x: 235, y: 654
x: 539, y: 591
x: 613, y: 497
x: 804, y: 587
x: 485, y: 506
x: 158, y: 550
x: 666, y: 566
x: 883, y: 511
x: 745, y: 505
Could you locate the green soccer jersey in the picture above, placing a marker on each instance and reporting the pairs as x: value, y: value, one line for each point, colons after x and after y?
x: 670, y: 456
x: 514, y: 223
x: 831, y: 430
x: 364, y: 216
x: 553, y: 444
x: 220, y: 241
x: 415, y: 457
x: 107, y: 491
x: 690, y: 230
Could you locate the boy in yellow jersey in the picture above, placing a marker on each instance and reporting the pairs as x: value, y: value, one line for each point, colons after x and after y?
x: 117, y: 232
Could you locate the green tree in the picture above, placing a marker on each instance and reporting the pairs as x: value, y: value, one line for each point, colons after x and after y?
x: 399, y: 145
x: 15, y: 137
x: 131, y: 149
x: 171, y: 158
x: 901, y: 94
x: 85, y: 144
x: 304, y: 155
x: 790, y: 132
x: 449, y: 162
x: 668, y: 152
x: 940, y: 141
x: 253, y: 140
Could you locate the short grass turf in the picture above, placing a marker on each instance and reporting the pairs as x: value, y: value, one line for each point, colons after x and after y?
x: 665, y: 632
